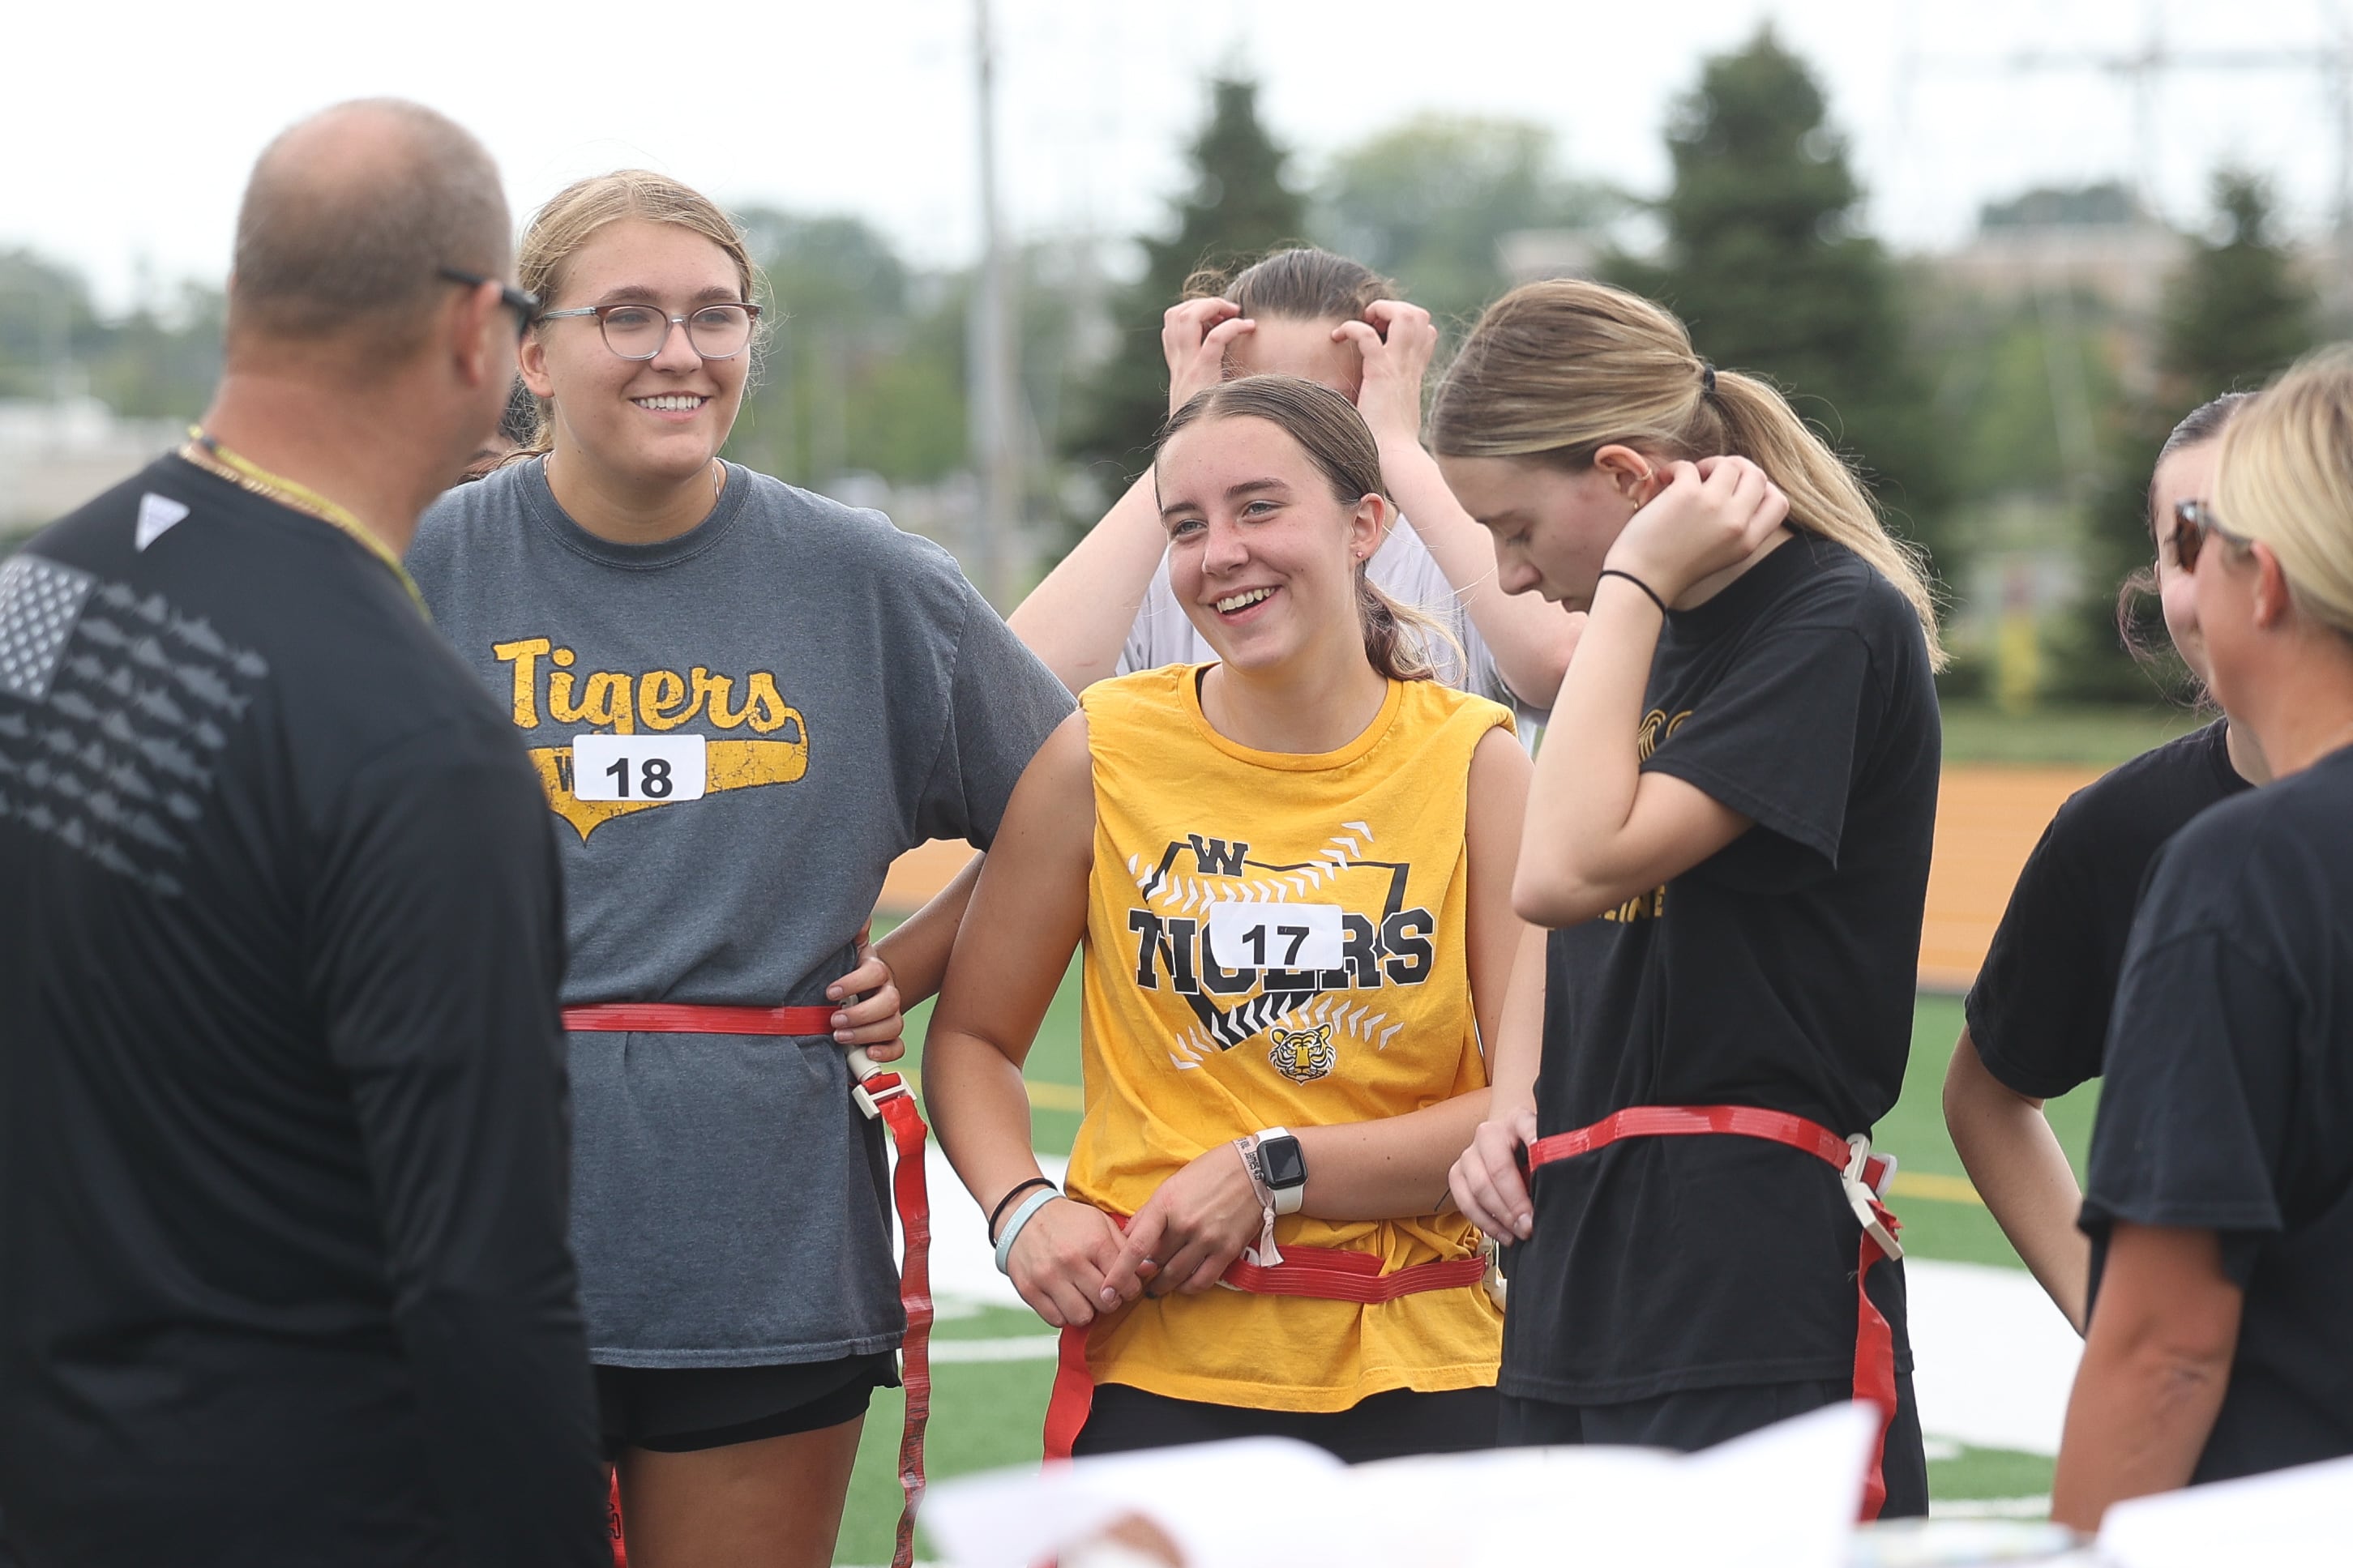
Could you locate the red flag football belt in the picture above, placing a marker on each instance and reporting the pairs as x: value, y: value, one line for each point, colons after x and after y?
x: 883, y: 1095
x: 1864, y: 1175
x: 1323, y: 1273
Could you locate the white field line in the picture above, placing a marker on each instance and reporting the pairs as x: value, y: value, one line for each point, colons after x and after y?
x: 1026, y: 1347
x: 1990, y: 1508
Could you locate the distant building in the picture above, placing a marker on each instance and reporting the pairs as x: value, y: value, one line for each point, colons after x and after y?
x: 2091, y: 239
x: 56, y: 454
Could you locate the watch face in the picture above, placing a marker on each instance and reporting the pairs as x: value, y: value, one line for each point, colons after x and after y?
x: 1285, y: 1166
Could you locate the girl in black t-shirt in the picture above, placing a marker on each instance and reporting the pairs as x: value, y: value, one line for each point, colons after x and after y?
x: 2220, y: 1202
x: 2038, y: 1014
x: 1729, y: 830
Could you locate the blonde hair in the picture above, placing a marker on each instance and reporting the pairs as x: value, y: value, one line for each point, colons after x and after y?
x: 558, y: 230
x: 1557, y: 371
x: 1398, y: 638
x: 2285, y: 478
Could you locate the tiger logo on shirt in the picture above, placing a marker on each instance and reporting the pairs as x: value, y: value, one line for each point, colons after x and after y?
x: 1302, y: 1055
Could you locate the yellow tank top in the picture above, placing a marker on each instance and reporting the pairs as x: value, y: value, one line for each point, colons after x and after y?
x: 1278, y: 939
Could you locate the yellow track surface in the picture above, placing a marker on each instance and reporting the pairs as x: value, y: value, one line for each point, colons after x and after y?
x: 1988, y: 819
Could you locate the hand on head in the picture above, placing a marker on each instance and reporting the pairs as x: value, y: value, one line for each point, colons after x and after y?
x: 1194, y: 338
x: 1397, y: 341
x: 1709, y: 516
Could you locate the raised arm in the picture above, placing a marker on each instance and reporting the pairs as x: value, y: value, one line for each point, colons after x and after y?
x: 1599, y: 828
x: 1202, y: 1217
x: 1531, y: 639
x: 1078, y: 619
x: 2013, y: 1157
x: 439, y: 946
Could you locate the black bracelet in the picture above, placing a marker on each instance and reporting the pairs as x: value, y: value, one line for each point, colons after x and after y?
x: 1653, y: 592
x: 998, y: 1211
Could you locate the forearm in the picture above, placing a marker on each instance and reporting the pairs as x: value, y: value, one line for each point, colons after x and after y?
x: 1530, y: 639
x: 980, y: 1112
x: 1078, y: 619
x: 1391, y: 1168
x: 2008, y: 1148
x: 2137, y: 1420
x: 1573, y: 862
x: 917, y: 949
x: 1518, y: 1052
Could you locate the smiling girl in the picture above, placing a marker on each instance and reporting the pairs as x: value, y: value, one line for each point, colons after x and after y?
x: 1290, y: 871
x: 1732, y: 854
x: 743, y: 701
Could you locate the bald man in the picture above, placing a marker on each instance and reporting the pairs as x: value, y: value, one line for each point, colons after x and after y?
x: 283, y: 1277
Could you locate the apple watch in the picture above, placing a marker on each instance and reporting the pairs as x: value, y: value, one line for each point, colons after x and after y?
x: 1279, y: 1168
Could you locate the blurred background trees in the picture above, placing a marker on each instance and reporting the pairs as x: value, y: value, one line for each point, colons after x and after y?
x: 2004, y: 397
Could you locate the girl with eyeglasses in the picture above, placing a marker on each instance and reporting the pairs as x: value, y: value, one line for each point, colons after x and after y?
x: 2038, y: 1012
x: 1729, y: 834
x: 743, y: 701
x: 2220, y: 1198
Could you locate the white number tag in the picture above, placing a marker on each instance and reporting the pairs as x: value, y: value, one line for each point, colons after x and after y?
x: 637, y: 767
x: 1276, y: 936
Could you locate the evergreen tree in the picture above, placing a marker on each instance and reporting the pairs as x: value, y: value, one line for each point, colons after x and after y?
x: 2235, y: 314
x: 1762, y: 262
x: 1238, y: 208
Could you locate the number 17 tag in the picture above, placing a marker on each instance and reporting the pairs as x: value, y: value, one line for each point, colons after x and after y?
x: 1276, y: 936
x: 637, y: 767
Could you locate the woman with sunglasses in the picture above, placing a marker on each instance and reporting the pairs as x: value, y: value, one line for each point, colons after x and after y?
x: 2220, y: 1202
x: 743, y: 701
x: 2038, y: 1013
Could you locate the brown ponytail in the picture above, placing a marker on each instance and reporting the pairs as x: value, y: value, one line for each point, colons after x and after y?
x: 1398, y: 638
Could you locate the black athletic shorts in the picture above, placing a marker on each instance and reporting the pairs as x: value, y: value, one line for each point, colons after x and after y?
x: 1381, y: 1427
x: 1707, y: 1417
x: 679, y: 1410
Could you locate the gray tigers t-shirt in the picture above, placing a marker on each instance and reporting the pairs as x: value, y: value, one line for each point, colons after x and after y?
x: 775, y: 705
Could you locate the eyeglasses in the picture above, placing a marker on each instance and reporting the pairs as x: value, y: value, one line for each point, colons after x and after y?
x: 639, y: 332
x: 2192, y: 522
x: 523, y: 304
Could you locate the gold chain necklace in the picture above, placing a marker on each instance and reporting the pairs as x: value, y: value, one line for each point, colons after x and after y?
x: 206, y: 453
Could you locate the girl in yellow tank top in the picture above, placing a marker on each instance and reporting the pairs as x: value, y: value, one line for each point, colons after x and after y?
x: 1290, y: 873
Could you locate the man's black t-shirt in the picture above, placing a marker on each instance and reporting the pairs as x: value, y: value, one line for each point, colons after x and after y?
x: 2228, y: 1104
x: 2039, y: 1011
x: 1779, y: 973
x: 282, y: 1134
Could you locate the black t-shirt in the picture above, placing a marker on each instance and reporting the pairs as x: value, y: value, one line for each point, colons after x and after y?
x: 1779, y: 973
x: 2228, y: 1104
x: 2039, y: 1011
x: 282, y: 1133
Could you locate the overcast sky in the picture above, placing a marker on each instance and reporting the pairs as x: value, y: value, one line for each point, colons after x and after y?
x: 132, y: 126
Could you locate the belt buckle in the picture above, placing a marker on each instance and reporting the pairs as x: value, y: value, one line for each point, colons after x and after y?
x: 1494, y: 1283
x: 872, y: 1083
x: 1863, y: 1200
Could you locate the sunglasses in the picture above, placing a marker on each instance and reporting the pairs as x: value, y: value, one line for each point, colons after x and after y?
x: 2193, y: 520
x: 524, y: 306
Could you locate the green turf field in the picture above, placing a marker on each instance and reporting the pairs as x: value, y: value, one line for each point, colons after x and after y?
x: 988, y: 1414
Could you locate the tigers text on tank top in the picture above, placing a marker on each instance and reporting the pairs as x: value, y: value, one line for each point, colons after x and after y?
x: 1278, y: 939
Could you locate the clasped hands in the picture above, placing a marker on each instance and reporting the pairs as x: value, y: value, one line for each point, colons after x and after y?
x: 1072, y: 1262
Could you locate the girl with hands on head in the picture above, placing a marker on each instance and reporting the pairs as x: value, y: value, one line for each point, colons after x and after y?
x: 1728, y: 837
x: 1291, y: 870
x: 1108, y: 609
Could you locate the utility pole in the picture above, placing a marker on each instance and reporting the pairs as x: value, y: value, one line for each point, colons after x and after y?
x: 994, y: 386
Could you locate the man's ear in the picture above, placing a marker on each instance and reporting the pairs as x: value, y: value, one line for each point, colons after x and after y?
x: 481, y: 340
x: 1628, y: 472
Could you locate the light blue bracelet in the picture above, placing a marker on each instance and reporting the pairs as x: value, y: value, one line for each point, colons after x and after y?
x: 1021, y: 1216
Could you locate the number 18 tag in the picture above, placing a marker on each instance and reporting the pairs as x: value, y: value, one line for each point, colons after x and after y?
x: 637, y: 767
x: 1276, y: 936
